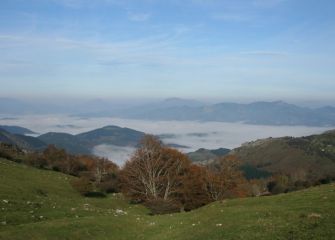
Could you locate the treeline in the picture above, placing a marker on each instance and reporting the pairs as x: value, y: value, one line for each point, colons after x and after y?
x: 95, y: 176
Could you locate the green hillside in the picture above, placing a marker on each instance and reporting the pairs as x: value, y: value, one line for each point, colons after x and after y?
x: 312, y: 156
x: 40, y: 204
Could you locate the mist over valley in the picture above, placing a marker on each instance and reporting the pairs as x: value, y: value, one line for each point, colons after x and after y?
x: 187, y: 136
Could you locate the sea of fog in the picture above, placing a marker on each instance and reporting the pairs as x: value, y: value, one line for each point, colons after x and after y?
x: 192, y: 134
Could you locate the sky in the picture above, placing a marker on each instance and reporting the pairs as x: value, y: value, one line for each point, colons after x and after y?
x: 203, y: 49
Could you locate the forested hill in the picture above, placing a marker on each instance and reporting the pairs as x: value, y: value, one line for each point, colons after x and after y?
x: 302, y: 157
x: 83, y: 143
x: 76, y: 144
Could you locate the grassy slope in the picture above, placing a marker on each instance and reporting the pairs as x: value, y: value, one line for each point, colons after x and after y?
x: 65, y: 215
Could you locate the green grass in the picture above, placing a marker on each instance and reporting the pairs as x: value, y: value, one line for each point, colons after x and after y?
x: 31, y: 193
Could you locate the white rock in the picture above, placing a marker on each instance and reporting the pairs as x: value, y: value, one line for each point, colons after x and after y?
x: 119, y: 211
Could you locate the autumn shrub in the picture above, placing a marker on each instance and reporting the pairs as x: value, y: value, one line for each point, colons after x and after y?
x: 161, y: 206
x: 192, y: 191
x: 109, y: 184
x: 83, y: 185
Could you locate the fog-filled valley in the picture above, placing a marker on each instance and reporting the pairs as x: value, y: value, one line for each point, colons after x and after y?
x: 188, y: 136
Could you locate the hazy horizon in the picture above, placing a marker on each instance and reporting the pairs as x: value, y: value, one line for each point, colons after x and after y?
x: 128, y: 101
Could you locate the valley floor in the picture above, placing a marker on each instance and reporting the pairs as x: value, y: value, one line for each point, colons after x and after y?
x: 40, y: 204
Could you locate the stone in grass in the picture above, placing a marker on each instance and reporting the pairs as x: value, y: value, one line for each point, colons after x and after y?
x: 120, y: 212
x: 314, y: 215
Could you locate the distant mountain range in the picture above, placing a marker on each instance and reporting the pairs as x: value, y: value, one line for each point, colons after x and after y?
x: 260, y: 113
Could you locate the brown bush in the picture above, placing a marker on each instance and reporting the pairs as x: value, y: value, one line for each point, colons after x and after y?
x: 83, y: 185
x: 161, y: 206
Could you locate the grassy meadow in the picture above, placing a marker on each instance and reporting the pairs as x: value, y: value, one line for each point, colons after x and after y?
x: 41, y: 204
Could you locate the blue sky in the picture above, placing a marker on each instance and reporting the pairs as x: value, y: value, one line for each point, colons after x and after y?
x: 206, y: 49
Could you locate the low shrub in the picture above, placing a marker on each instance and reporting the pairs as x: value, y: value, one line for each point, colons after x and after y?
x: 161, y: 206
x: 82, y: 185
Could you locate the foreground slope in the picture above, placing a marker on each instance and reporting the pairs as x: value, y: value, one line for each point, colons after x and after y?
x: 39, y: 204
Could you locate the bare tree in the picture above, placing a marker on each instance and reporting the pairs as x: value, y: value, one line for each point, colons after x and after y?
x: 153, y: 171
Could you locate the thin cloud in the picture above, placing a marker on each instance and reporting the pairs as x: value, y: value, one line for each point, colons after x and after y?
x: 138, y: 17
x: 265, y: 53
x: 232, y: 17
x: 267, y: 3
x: 84, y: 3
x: 157, y: 49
